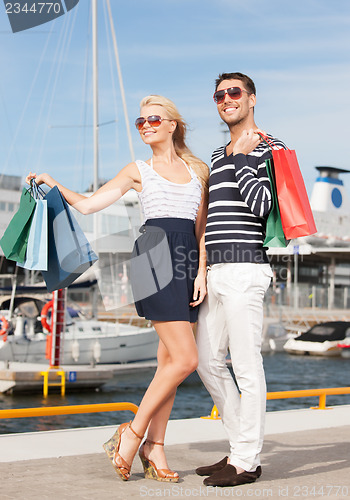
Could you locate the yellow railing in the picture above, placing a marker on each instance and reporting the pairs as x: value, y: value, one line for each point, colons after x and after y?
x: 304, y: 393
x: 321, y: 393
x: 104, y: 407
x: 67, y: 410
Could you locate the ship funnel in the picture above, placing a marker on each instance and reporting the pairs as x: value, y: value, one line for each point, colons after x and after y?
x: 328, y: 194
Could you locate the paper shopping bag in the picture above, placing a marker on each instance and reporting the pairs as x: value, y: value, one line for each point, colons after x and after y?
x: 36, y: 254
x: 296, y: 214
x: 69, y: 252
x: 274, y: 231
x: 15, y: 239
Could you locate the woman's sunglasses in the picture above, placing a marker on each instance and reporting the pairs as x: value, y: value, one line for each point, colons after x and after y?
x: 153, y: 121
x: 233, y: 92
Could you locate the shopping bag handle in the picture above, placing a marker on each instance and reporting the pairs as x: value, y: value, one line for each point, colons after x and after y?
x: 30, y: 192
x: 269, y: 142
x: 36, y: 191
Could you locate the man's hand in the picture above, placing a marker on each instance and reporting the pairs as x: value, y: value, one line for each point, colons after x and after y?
x: 248, y: 141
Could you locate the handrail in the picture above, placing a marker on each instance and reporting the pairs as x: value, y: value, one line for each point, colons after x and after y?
x: 104, y: 407
x: 67, y: 410
x: 302, y: 393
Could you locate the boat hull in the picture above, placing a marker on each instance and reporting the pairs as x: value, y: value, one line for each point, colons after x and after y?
x: 326, y: 348
x: 140, y: 344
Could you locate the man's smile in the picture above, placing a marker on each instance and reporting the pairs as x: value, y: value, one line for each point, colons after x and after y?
x: 230, y: 109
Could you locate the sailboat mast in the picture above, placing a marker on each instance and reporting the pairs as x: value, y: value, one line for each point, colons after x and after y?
x: 95, y: 104
x: 95, y: 90
x: 122, y: 92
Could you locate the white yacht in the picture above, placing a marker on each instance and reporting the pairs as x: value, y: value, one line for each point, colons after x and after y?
x: 86, y: 341
x: 321, y: 340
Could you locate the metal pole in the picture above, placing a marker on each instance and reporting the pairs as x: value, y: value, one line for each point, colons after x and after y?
x: 296, y: 285
x: 346, y: 297
x: 95, y: 109
x: 13, y: 293
x: 331, y: 289
x: 58, y: 326
x: 289, y: 282
x: 114, y: 38
x: 95, y: 90
x: 313, y: 300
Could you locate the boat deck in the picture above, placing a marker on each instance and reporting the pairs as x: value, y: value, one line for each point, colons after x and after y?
x: 305, y: 455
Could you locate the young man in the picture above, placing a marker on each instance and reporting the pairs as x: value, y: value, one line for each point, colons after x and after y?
x: 239, y: 274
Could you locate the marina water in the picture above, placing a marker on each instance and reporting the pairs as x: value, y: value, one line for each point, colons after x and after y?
x: 283, y: 372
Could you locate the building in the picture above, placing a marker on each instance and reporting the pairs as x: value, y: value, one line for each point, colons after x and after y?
x: 315, y: 271
x: 10, y: 194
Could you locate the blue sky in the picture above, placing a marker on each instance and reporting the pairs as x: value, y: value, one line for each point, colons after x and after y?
x: 296, y: 52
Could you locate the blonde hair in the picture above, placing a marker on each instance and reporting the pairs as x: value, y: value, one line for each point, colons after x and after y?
x: 182, y: 150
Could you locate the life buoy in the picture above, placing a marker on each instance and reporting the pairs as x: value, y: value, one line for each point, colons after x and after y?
x: 48, y: 348
x: 43, y: 315
x: 4, y: 327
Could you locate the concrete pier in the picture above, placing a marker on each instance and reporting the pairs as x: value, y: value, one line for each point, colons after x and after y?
x: 306, y: 454
x: 21, y: 377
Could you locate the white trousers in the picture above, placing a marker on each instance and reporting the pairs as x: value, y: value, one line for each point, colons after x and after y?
x: 231, y: 317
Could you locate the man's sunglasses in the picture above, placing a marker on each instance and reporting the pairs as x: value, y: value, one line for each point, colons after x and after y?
x: 153, y: 121
x: 233, y: 92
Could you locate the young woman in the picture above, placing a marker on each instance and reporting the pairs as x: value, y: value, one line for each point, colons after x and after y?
x: 167, y: 271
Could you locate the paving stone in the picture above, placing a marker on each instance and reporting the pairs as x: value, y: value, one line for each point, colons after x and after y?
x: 304, y: 464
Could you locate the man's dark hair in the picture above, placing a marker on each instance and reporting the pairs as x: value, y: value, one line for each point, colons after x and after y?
x: 247, y: 82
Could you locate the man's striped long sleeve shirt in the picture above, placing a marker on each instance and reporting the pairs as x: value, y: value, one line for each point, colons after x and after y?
x: 239, y: 203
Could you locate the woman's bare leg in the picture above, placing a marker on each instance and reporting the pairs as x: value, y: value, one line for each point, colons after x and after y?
x: 179, y: 359
x: 157, y: 427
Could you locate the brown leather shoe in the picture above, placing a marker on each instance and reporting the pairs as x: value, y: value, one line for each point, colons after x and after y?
x: 208, y: 470
x: 228, y: 477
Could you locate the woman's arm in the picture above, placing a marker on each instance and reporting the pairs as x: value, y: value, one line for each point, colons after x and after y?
x: 200, y: 287
x: 128, y: 178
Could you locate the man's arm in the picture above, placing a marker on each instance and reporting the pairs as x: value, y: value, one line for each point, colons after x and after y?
x: 254, y: 185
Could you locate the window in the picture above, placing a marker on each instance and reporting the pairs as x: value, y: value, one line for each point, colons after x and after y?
x: 323, y: 330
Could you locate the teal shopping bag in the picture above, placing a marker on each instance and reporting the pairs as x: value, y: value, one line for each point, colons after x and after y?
x: 15, y: 239
x: 36, y: 254
x: 274, y: 231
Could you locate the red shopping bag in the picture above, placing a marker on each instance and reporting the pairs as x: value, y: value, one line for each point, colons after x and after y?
x: 296, y: 214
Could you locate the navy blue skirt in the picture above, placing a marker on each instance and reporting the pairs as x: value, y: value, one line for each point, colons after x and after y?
x: 164, y: 265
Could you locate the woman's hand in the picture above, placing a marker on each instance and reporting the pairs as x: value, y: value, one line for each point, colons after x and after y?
x: 200, y: 288
x: 39, y: 179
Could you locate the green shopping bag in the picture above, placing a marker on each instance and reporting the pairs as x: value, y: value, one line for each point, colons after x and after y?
x: 274, y: 231
x: 15, y: 239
